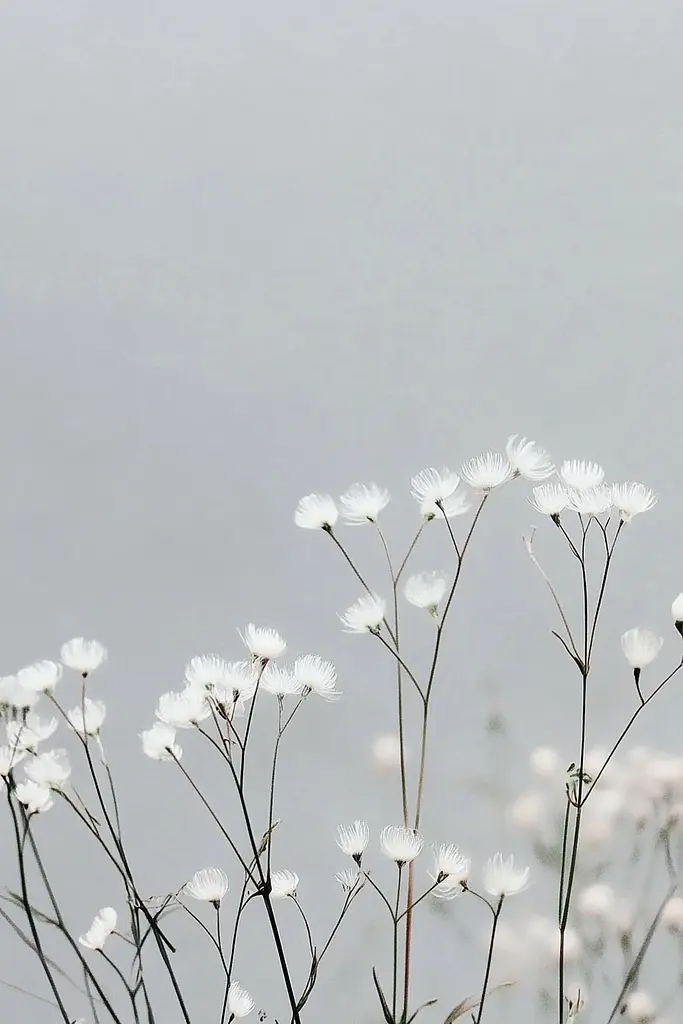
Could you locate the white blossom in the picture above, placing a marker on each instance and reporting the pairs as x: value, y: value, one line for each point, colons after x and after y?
x: 262, y: 642
x: 677, y: 610
x: 580, y: 475
x: 353, y: 839
x: 41, y: 677
x: 401, y: 844
x: 362, y: 503
x: 83, y: 655
x: 365, y: 615
x: 451, y: 869
x: 485, y: 472
x: 527, y: 459
x: 159, y: 743
x: 16, y: 696
x: 99, y: 931
x: 240, y: 1003
x: 184, y: 709
x: 95, y: 713
x: 316, y: 676
x: 550, y: 499
x: 426, y: 590
x: 591, y: 501
x: 10, y: 757
x: 434, y: 489
x: 35, y: 797
x: 30, y: 731
x: 209, y: 885
x: 350, y: 878
x: 631, y: 499
x: 283, y: 883
x: 316, y: 512
x: 640, y: 647
x: 598, y: 901
x: 51, y: 769
x: 280, y: 681
x: 672, y: 915
x: 640, y: 1007
x: 502, y: 878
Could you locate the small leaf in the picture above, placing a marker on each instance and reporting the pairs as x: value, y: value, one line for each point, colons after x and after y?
x: 385, y: 1006
x: 430, y: 1002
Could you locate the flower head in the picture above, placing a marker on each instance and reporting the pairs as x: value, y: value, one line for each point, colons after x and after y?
x: 283, y: 883
x: 591, y: 501
x: 41, y: 677
x: 16, y: 696
x: 353, y: 839
x: 90, y: 725
x: 426, y: 589
x: 640, y: 647
x: 580, y: 475
x: 280, y: 681
x: 550, y: 499
x: 527, y: 459
x: 209, y: 884
x: 451, y: 869
x: 632, y: 499
x: 401, y: 844
x: 51, y: 769
x: 316, y: 512
x: 487, y: 471
x: 640, y: 1008
x: 672, y: 915
x: 205, y: 670
x: 350, y: 879
x: 10, y: 757
x: 237, y: 686
x: 159, y: 743
x: 386, y: 752
x: 263, y: 643
x: 677, y: 610
x: 184, y: 709
x: 35, y: 797
x: 316, y: 676
x: 502, y: 878
x: 240, y: 1003
x: 598, y: 901
x: 433, y: 488
x: 366, y: 615
x: 362, y: 503
x: 30, y: 731
x: 99, y: 931
x: 83, y: 655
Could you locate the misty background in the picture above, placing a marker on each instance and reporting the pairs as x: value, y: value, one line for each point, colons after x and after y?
x: 249, y: 251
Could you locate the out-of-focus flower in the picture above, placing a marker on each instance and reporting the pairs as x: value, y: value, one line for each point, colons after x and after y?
x: 545, y: 762
x: 386, y: 752
x: 433, y: 489
x: 426, y: 589
x: 544, y: 938
x: 640, y: 1008
x: 240, y: 1003
x: 28, y: 733
x: 34, y: 797
x: 41, y: 677
x: 640, y: 647
x: 184, y: 709
x: 159, y: 743
x: 400, y: 844
x: 632, y: 499
x: 672, y: 915
x: 550, y: 499
x: 10, y: 757
x: 99, y: 931
x: 263, y: 643
x: 502, y: 878
x: 83, y: 655
x: 527, y: 459
x: 316, y: 676
x: 597, y: 901
x: 528, y: 811
x: 209, y: 885
x: 591, y: 501
x: 95, y: 714
x: 362, y: 503
x: 51, y: 769
x: 485, y: 472
x: 353, y: 839
x: 581, y: 475
x: 365, y: 615
x: 283, y: 883
x: 316, y: 512
x: 16, y: 696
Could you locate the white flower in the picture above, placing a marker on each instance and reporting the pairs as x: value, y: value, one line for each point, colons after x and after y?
x: 51, y: 769
x: 279, y: 681
x: 451, y: 868
x: 502, y: 878
x: 316, y: 676
x: 41, y: 677
x: 316, y: 512
x: 283, y: 883
x: 484, y: 472
x: 363, y: 503
x: 205, y: 670
x: 263, y: 643
x: 10, y: 757
x: 581, y: 475
x: 240, y: 1003
x: 95, y: 713
x: 28, y: 733
x: 550, y: 499
x: 184, y: 709
x: 209, y: 884
x: 386, y: 751
x: 401, y: 844
x: 545, y: 762
x: 592, y: 501
x: 632, y: 499
x: 83, y: 655
x: 432, y: 488
x: 528, y: 811
x: 527, y: 459
x: 36, y: 798
x: 353, y: 839
x: 640, y: 647
x: 350, y: 878
x: 677, y: 610
x: 16, y: 696
x: 598, y: 901
x: 366, y: 615
x: 159, y: 743
x: 640, y: 1008
x: 426, y: 589
x: 99, y: 931
x: 672, y: 915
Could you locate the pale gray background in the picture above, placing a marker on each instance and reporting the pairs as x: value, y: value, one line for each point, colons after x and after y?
x: 252, y: 250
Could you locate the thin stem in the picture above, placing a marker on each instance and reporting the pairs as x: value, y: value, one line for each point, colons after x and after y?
x: 394, y: 988
x: 489, y: 958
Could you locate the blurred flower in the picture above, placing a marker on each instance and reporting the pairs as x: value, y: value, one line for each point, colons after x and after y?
x: 316, y: 676
x: 640, y: 647
x: 280, y: 681
x: 401, y: 844
x: 209, y: 885
x: 502, y: 878
x: 639, y: 1007
x: 363, y: 503
x: 284, y: 883
x: 262, y: 642
x: 386, y: 751
x: 672, y: 915
x: 581, y: 475
x: 632, y: 499
x: 353, y: 839
x: 527, y: 459
x: 550, y: 499
x: 365, y: 615
x: 237, y: 686
x: 426, y: 589
x: 598, y: 901
x: 51, y: 769
x: 100, y: 930
x: 28, y: 733
x: 10, y: 757
x: 41, y: 677
x: 159, y: 743
x: 432, y: 488
x: 36, y: 798
x: 83, y: 655
x: 487, y: 471
x: 545, y: 762
x: 528, y: 811
x: 591, y: 501
x: 16, y: 696
x: 240, y: 1003
x: 184, y: 709
x: 316, y: 512
x: 95, y: 713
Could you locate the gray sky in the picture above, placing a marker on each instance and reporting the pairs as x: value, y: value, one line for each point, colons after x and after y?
x: 250, y: 251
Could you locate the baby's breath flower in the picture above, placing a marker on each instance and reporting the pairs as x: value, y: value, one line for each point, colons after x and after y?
x: 362, y: 503
x: 41, y: 677
x: 527, y: 459
x: 209, y: 885
x: 316, y: 512
x: 580, y: 475
x: 284, y: 883
x: 365, y: 615
x: 426, y: 589
x: 35, y: 797
x: 353, y: 839
x: 83, y: 655
x: 591, y: 501
x: 502, y: 878
x: 184, y: 709
x: 262, y: 642
x: 632, y: 499
x: 487, y: 471
x: 640, y: 647
x: 400, y: 844
x: 95, y: 713
x: 639, y: 1007
x: 432, y: 488
x: 100, y: 930
x: 316, y: 676
x: 159, y: 743
x: 550, y: 499
x: 49, y: 769
x: 240, y: 1003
